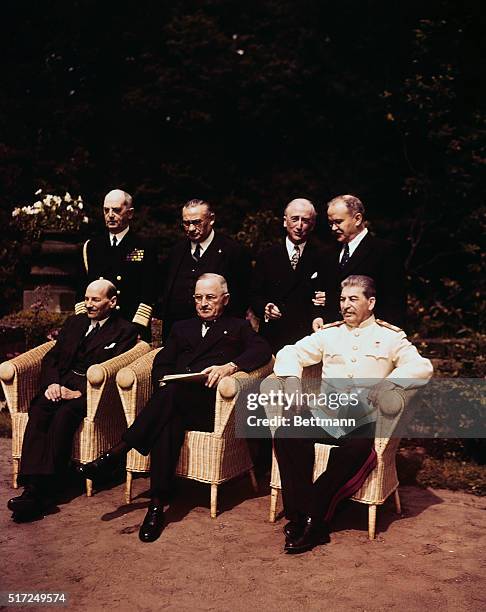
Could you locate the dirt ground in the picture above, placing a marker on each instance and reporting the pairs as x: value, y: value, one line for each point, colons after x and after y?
x: 432, y: 557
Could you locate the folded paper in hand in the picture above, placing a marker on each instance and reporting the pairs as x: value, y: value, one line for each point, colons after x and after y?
x: 192, y: 377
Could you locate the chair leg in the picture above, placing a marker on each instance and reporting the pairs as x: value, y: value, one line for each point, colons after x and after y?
x: 253, y: 479
x: 371, y: 521
x: 273, y: 505
x: 89, y: 487
x: 214, y: 500
x: 128, y: 488
x: 15, y: 473
x: 398, y: 505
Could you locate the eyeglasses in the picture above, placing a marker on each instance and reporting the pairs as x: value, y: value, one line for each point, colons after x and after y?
x: 209, y: 298
x: 196, y: 223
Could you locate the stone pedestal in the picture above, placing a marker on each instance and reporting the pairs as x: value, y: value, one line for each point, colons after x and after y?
x: 55, y: 263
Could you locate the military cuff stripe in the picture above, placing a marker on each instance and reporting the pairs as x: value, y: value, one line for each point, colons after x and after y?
x: 143, y: 315
x: 80, y: 308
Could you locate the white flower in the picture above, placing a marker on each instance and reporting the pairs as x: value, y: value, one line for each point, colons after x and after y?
x: 37, y: 204
x: 85, y: 219
x: 67, y: 197
x: 57, y: 200
x: 38, y: 192
x: 80, y: 204
x: 69, y: 207
x: 35, y: 211
x: 15, y: 212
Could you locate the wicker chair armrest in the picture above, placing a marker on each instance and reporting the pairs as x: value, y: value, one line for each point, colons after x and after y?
x: 230, y: 387
x: 134, y: 384
x: 101, y: 376
x: 20, y: 377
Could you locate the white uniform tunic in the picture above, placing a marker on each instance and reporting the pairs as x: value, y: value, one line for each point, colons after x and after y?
x: 357, y: 358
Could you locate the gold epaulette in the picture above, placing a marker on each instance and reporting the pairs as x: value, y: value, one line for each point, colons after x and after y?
x: 335, y: 324
x: 389, y: 325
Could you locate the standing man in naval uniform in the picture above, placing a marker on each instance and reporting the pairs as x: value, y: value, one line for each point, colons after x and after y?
x: 125, y: 259
x: 360, y: 353
x: 202, y: 251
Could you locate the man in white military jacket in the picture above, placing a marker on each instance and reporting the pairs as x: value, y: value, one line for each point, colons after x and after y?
x: 358, y: 352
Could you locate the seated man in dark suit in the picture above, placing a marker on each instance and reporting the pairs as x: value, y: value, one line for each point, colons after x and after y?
x: 211, y: 343
x: 57, y: 410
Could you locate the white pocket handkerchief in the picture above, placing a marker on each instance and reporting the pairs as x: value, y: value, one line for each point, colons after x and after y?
x: 314, y: 275
x: 110, y: 345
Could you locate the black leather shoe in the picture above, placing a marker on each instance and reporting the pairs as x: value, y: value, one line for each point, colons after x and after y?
x: 99, y: 468
x: 152, y: 525
x: 315, y: 532
x: 29, y: 504
x: 294, y: 529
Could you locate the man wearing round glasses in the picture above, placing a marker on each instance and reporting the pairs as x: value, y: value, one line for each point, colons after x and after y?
x: 212, y: 344
x: 203, y: 250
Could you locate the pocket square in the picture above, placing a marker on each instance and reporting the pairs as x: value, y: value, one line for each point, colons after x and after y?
x: 110, y: 346
x: 314, y: 275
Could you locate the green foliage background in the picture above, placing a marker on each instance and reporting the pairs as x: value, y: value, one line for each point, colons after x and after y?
x: 251, y: 104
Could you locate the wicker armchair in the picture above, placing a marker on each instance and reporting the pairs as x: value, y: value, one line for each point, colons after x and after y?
x: 211, y: 457
x: 104, y: 421
x: 383, y: 480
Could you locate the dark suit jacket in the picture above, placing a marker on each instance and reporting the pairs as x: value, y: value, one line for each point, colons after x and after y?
x: 57, y: 363
x: 223, y: 256
x: 228, y: 339
x: 376, y: 258
x: 292, y: 291
x: 131, y: 267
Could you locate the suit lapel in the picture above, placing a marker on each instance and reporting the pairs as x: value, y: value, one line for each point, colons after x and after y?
x: 76, y: 334
x: 361, y: 253
x: 213, y: 335
x: 101, y: 336
x: 179, y: 252
x: 293, y: 277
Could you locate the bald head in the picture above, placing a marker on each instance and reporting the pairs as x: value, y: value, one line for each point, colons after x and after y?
x: 299, y: 220
x: 117, y: 210
x: 100, y: 299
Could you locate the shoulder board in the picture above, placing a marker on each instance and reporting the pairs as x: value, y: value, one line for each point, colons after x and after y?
x: 389, y: 326
x: 335, y: 324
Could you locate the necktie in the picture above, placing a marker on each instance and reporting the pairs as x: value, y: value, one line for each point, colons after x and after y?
x: 95, y: 329
x: 115, y: 242
x: 345, y: 257
x: 294, y: 260
x: 197, y: 252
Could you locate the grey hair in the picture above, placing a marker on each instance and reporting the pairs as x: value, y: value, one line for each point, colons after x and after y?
x: 196, y: 202
x: 353, y: 204
x: 314, y: 212
x: 366, y: 283
x: 128, y: 200
x: 215, y: 277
